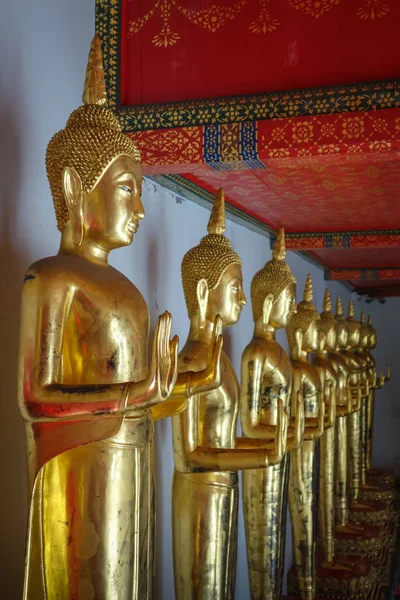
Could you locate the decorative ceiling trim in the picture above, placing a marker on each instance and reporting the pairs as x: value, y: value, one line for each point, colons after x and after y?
x: 350, y: 274
x: 236, y: 109
x: 342, y: 239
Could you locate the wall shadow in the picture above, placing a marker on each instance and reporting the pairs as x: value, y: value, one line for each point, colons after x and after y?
x: 13, y: 478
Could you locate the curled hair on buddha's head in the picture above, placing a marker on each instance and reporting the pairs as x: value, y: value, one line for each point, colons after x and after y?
x: 90, y: 141
x: 328, y: 322
x: 210, y: 258
x: 305, y: 316
x: 273, y: 278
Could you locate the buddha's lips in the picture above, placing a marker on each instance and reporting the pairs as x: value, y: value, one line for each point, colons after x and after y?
x: 133, y: 226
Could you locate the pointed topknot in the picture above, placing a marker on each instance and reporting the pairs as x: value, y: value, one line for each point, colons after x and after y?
x: 308, y: 290
x: 362, y: 318
x: 94, y: 91
x: 279, y: 251
x: 351, y: 309
x: 369, y: 322
x: 327, y: 306
x: 216, y: 224
x: 339, y: 307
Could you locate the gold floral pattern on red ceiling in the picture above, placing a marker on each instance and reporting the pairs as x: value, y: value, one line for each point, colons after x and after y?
x: 214, y: 17
x: 318, y: 193
x: 170, y: 146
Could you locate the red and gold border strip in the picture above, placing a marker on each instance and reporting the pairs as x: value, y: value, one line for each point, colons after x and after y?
x: 346, y: 239
x: 241, y: 146
x: 239, y: 109
x: 349, y: 274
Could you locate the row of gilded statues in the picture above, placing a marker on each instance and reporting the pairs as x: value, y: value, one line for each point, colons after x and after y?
x: 89, y: 396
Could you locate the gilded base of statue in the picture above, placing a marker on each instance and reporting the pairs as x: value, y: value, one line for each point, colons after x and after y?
x: 386, y: 475
x: 373, y: 512
x: 359, y: 584
x: 378, y: 490
x: 366, y: 543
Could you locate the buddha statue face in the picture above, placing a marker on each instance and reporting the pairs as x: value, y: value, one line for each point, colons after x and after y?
x: 226, y: 299
x: 364, y: 337
x: 372, y: 340
x: 109, y: 214
x: 329, y: 329
x: 342, y: 336
x: 353, y: 339
x: 311, y: 337
x: 283, y: 307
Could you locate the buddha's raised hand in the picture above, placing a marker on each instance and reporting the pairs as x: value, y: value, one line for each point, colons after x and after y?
x: 209, y: 378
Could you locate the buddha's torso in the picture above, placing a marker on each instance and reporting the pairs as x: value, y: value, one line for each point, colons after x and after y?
x: 340, y: 367
x: 218, y: 410
x: 307, y: 380
x: 103, y: 319
x: 327, y: 373
x: 277, y: 379
x: 354, y: 366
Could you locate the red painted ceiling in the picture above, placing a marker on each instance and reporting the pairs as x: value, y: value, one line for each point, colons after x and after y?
x: 176, y: 50
x: 328, y: 174
x: 316, y: 194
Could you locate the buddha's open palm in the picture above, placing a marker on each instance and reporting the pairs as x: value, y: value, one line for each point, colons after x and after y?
x: 164, y: 362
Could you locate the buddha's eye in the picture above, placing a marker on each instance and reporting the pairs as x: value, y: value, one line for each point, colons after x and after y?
x: 126, y: 189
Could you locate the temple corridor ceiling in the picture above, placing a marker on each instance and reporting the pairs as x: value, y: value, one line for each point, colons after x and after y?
x: 292, y: 106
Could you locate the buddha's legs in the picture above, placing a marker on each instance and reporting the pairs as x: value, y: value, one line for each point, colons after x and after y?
x: 303, y: 505
x: 363, y: 439
x: 265, y: 502
x: 326, y: 504
x: 341, y: 508
x: 354, y: 441
x: 204, y: 523
x: 370, y: 426
x: 92, y: 516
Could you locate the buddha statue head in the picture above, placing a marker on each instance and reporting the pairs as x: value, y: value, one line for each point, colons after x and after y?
x: 273, y: 289
x: 364, y: 333
x: 212, y: 274
x: 303, y: 327
x: 372, y: 339
x: 342, y: 332
x: 328, y: 324
x: 94, y: 170
x: 353, y: 327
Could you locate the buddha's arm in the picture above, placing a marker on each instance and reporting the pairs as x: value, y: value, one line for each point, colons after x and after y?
x: 191, y: 383
x: 314, y: 426
x: 330, y: 404
x: 42, y: 396
x: 252, y: 455
x: 251, y: 399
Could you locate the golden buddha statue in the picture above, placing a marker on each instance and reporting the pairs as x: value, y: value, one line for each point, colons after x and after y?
x: 267, y: 378
x: 302, y: 333
x: 386, y: 475
x: 86, y: 389
x: 378, y: 490
x: 360, y: 511
x: 207, y: 452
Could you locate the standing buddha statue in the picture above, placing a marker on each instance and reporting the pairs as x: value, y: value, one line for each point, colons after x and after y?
x: 267, y: 379
x: 302, y: 333
x: 207, y: 452
x: 373, y: 473
x: 85, y: 386
x: 360, y: 511
x: 350, y: 537
x: 337, y: 576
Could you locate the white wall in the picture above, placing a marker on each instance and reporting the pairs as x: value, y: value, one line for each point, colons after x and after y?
x: 44, y: 47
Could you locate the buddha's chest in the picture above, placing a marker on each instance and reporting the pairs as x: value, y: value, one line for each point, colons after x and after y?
x: 219, y: 410
x: 105, y: 333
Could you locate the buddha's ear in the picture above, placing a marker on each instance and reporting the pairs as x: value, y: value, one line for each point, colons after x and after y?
x: 73, y: 194
x: 321, y: 340
x: 267, y: 307
x: 202, y: 293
